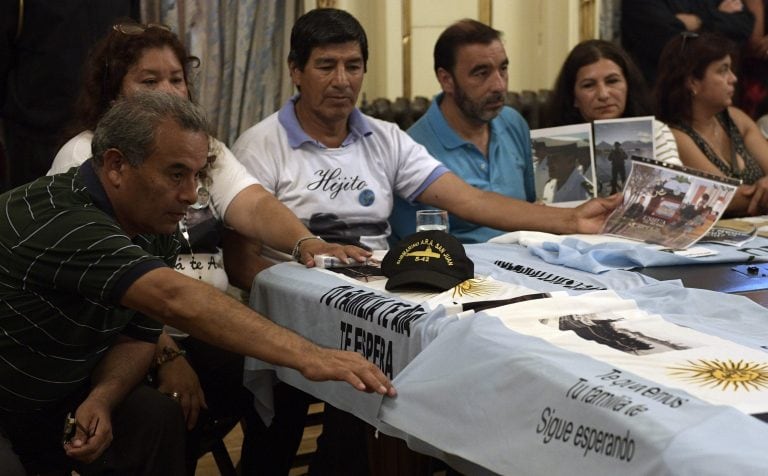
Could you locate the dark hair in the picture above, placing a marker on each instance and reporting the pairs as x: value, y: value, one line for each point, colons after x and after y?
x: 463, y: 32
x: 685, y: 56
x: 130, y: 124
x: 324, y: 26
x: 560, y: 109
x: 109, y: 61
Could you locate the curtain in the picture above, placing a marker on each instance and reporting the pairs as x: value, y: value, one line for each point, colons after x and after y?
x: 610, y: 18
x: 243, y: 47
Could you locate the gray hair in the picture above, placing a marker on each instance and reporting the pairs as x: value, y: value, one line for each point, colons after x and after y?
x: 130, y: 124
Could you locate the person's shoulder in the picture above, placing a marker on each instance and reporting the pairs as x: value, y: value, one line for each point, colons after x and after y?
x: 660, y: 126
x: 266, y: 125
x: 388, y: 132
x: 218, y: 147
x: 744, y: 124
x: 511, y: 114
x: 512, y: 119
x: 73, y: 153
x: 739, y: 117
x: 431, y: 124
x: 224, y: 158
x: 63, y: 197
x: 662, y: 130
x: 420, y: 128
x: 762, y: 124
x: 381, y: 125
x: 257, y: 133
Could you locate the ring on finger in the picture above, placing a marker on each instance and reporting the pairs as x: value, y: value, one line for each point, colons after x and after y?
x: 175, y: 395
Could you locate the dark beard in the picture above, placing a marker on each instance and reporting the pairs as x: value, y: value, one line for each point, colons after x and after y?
x: 475, y: 110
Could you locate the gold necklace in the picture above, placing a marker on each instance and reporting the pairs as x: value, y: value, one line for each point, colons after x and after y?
x: 715, y: 143
x: 711, y: 132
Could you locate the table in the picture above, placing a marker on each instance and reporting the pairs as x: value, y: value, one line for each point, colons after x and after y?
x: 487, y: 394
x: 724, y: 277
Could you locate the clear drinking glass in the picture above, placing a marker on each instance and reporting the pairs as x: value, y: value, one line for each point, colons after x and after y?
x: 431, y: 220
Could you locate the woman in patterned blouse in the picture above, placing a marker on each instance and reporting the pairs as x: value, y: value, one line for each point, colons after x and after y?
x: 694, y: 95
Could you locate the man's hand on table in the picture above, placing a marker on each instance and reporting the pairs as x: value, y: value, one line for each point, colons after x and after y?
x: 310, y: 248
x: 329, y: 364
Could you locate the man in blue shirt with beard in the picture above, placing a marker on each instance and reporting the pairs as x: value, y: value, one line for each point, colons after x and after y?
x: 468, y: 128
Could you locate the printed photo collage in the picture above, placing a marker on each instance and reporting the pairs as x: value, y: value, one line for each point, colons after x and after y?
x: 663, y: 204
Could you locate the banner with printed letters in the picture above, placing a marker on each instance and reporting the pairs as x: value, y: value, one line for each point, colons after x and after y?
x: 588, y: 384
x: 535, y: 368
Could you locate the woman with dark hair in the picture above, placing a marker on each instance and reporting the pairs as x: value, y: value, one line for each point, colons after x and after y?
x: 694, y: 94
x: 132, y: 57
x: 116, y: 56
x: 598, y: 80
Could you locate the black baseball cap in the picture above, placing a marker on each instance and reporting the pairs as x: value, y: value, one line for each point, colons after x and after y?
x: 433, y: 259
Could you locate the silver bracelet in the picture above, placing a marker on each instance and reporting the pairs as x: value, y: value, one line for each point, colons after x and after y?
x: 296, y: 253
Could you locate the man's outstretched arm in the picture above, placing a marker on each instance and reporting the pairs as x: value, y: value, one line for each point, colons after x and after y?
x: 451, y: 193
x: 215, y: 317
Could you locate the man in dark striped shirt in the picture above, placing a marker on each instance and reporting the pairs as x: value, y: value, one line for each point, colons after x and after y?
x: 85, y: 282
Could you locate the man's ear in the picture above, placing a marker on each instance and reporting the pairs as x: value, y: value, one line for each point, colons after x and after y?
x: 445, y: 78
x: 114, y: 165
x: 295, y: 73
